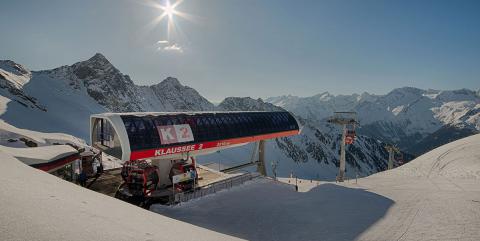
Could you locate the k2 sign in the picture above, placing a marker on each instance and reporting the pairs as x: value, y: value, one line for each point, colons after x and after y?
x: 175, y: 134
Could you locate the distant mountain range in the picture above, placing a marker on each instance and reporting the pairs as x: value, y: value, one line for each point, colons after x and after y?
x: 408, y: 117
x: 62, y: 99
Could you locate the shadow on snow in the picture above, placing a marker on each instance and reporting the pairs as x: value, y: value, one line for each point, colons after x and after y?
x: 266, y: 211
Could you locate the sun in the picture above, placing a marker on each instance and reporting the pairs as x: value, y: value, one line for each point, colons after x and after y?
x: 169, y: 9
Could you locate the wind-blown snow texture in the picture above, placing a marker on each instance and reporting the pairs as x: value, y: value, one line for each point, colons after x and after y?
x: 434, y: 197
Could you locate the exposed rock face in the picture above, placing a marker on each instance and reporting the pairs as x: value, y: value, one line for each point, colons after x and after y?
x: 117, y: 92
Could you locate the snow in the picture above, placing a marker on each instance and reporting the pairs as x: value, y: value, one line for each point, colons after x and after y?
x: 434, y: 197
x: 398, y: 109
x: 68, y: 95
x: 35, y: 205
x: 68, y: 110
x: 459, y: 160
x: 16, y: 74
x: 12, y: 133
x: 454, y: 112
x: 36, y: 155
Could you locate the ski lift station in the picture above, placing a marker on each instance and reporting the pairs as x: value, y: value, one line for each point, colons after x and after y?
x: 158, y: 150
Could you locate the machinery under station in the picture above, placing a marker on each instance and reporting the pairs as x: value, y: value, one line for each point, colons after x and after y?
x: 148, y: 157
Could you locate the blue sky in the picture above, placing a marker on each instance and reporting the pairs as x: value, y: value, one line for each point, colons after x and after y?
x: 257, y: 48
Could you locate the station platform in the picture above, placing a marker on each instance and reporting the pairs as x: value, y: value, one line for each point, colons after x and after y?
x: 110, y: 180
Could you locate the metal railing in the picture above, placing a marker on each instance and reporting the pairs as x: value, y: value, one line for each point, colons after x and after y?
x: 215, y: 187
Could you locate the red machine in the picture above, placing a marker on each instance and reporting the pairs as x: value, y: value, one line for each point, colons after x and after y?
x: 140, y: 178
x: 181, y: 168
x: 350, y: 134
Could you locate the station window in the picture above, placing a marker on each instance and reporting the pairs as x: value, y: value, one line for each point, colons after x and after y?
x: 105, y: 138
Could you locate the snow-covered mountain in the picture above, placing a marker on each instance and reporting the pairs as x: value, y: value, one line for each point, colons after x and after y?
x: 62, y: 99
x: 117, y: 92
x: 404, y: 116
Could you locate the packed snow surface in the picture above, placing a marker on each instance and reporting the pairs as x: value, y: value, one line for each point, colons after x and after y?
x: 35, y: 205
x: 434, y: 197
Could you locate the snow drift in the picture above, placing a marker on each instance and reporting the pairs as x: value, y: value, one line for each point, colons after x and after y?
x: 38, y: 206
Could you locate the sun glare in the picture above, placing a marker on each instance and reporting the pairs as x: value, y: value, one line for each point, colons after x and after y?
x: 168, y: 9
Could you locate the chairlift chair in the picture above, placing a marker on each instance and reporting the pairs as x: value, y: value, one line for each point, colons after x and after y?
x: 350, y: 134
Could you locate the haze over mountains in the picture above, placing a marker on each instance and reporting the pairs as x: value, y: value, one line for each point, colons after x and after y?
x: 62, y: 99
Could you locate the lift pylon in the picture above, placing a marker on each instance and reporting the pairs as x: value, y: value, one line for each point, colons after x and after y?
x: 348, y: 121
x: 392, y: 149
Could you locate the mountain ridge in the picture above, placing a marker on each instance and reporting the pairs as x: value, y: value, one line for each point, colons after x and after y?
x: 404, y: 116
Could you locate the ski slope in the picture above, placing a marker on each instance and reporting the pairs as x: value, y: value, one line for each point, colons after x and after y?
x: 35, y: 205
x: 434, y: 197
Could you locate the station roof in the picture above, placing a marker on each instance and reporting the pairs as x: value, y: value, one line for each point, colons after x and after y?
x: 145, y: 131
x: 47, y: 158
x: 194, y: 131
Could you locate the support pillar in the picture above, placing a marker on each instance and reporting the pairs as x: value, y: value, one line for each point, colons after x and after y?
x: 261, y: 158
x: 390, y: 159
x: 341, y: 170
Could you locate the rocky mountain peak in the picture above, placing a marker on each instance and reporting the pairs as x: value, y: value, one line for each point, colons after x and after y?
x: 96, y: 67
x: 98, y: 57
x: 170, y: 82
x: 99, y: 61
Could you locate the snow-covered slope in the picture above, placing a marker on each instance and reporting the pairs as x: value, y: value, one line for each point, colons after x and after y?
x: 404, y: 116
x: 434, y: 197
x: 458, y: 159
x: 66, y: 109
x: 35, y: 205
